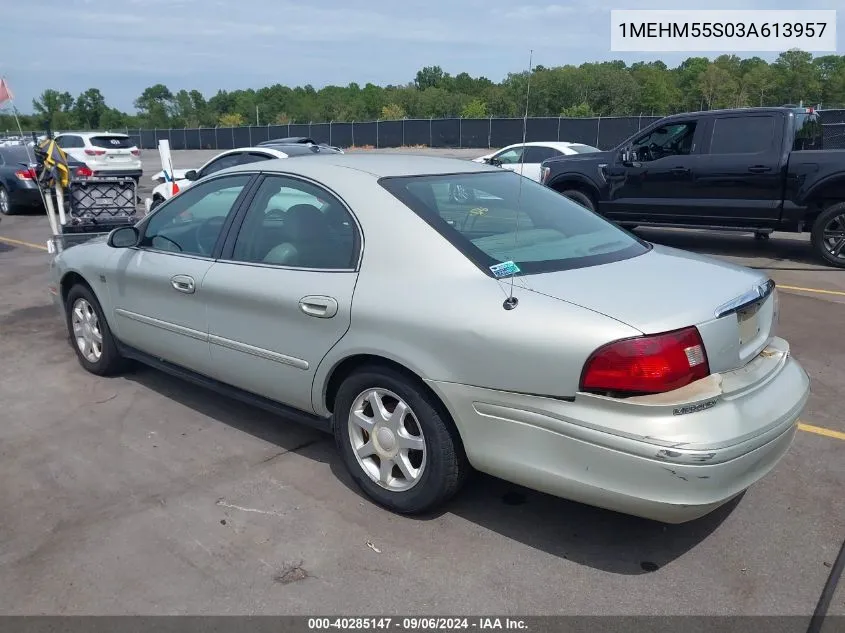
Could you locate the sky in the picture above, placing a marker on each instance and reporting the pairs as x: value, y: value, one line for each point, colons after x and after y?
x: 123, y: 46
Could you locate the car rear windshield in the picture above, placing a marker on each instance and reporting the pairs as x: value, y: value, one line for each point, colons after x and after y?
x: 488, y: 218
x: 583, y: 149
x: 112, y: 142
x: 17, y: 155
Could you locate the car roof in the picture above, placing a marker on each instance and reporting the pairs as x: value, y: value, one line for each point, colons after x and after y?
x: 378, y: 165
x: 91, y: 134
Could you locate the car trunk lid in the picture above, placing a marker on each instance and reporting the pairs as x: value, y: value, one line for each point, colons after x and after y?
x: 734, y: 308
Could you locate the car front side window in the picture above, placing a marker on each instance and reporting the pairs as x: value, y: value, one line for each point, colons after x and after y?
x: 297, y: 224
x: 223, y: 162
x: 190, y: 223
x: 510, y: 156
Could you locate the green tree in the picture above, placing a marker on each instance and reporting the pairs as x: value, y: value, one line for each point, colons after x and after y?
x: 53, y: 109
x: 429, y: 77
x: 156, y: 106
x: 582, y: 110
x: 232, y: 119
x: 797, y: 77
x: 89, y: 108
x: 475, y: 109
x: 716, y: 87
x: 759, y: 84
x: 392, y: 111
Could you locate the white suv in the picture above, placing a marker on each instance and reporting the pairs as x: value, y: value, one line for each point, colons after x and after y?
x: 105, y: 153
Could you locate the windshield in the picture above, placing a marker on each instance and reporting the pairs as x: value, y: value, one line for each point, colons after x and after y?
x: 486, y: 218
x: 112, y: 142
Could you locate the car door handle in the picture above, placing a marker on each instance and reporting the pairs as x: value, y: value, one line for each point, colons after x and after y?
x: 318, y: 306
x: 183, y: 283
x: 679, y: 170
x: 759, y: 169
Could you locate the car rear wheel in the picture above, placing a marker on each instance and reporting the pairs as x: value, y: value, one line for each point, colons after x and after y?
x: 397, y: 444
x: 6, y: 206
x: 90, y: 335
x: 581, y: 198
x: 828, y: 235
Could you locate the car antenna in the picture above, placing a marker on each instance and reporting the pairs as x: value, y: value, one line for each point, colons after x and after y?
x: 511, y: 302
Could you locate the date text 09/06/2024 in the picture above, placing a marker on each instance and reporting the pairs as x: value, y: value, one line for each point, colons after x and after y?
x: 416, y: 623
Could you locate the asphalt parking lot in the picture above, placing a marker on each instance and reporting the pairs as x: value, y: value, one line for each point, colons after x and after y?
x: 143, y: 494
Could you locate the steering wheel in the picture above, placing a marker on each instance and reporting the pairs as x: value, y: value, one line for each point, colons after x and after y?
x: 207, y: 232
x: 274, y: 214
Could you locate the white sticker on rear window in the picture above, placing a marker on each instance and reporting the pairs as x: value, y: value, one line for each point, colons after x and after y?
x: 504, y: 269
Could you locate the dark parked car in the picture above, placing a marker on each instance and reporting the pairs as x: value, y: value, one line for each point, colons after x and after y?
x: 750, y: 169
x: 18, y: 179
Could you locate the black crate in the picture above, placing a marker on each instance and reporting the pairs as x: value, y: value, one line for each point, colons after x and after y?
x: 101, y: 201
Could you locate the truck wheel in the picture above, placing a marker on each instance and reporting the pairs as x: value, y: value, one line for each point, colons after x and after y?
x: 581, y: 198
x: 828, y: 235
x: 90, y: 334
x: 395, y: 441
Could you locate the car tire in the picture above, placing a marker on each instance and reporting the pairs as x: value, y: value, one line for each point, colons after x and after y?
x: 833, y: 215
x: 6, y: 206
x: 81, y: 309
x: 581, y: 198
x: 440, y: 468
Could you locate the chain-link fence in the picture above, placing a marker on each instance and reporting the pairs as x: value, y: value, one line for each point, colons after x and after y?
x: 601, y: 132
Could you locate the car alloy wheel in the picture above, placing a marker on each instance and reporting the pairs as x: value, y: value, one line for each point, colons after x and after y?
x: 86, y: 330
x: 5, y: 204
x: 833, y: 236
x: 387, y: 440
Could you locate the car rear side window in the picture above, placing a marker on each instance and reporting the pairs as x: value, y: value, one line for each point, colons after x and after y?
x: 742, y: 134
x: 111, y: 142
x: 578, y: 148
x: 495, y: 217
x: 539, y: 153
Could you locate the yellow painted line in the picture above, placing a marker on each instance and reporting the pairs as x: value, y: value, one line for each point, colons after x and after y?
x: 9, y: 240
x: 818, y: 290
x: 820, y: 430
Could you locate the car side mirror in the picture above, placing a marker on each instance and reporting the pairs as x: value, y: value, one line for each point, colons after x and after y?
x: 495, y: 162
x: 191, y: 175
x: 124, y: 237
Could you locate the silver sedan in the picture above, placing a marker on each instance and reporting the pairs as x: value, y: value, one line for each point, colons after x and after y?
x: 518, y: 333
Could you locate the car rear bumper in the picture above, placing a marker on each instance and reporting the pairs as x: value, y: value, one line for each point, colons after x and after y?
x: 26, y: 196
x: 566, y: 449
x: 118, y: 172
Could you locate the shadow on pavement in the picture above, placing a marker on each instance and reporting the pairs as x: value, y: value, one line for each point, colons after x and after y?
x: 589, y: 536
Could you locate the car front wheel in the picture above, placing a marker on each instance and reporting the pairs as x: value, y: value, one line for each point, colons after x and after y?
x: 6, y: 207
x: 397, y: 444
x: 90, y: 334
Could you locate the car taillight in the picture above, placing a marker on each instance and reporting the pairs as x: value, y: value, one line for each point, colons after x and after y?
x: 136, y: 152
x: 84, y: 172
x: 26, y: 174
x: 95, y: 152
x: 544, y: 174
x: 647, y: 364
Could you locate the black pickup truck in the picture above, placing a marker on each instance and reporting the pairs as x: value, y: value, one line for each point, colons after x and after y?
x: 757, y: 170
